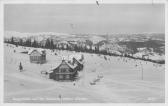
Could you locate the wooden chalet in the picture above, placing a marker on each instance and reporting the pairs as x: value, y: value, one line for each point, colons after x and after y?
x: 37, y: 56
x: 65, y: 71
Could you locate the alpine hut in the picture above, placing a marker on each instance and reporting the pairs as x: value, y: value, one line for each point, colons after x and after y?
x: 37, y: 56
x: 65, y: 71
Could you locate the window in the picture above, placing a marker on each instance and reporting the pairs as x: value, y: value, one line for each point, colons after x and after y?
x: 67, y: 70
x: 62, y: 70
x: 60, y: 76
x: 67, y: 76
x: 34, y: 58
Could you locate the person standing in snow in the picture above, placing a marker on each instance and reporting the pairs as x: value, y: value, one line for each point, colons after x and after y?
x: 20, y: 67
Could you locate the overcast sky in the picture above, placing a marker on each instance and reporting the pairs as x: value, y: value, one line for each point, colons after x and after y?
x: 86, y: 18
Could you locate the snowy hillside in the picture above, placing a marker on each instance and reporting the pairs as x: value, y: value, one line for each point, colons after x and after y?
x: 121, y: 79
x: 116, y: 44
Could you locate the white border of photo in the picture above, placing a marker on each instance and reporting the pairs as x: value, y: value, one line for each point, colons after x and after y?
x: 152, y: 2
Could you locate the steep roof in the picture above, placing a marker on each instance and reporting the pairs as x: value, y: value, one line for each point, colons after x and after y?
x: 41, y: 51
x: 80, y: 62
x: 70, y: 65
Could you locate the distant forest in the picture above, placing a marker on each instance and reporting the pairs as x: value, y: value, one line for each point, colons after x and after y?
x: 155, y: 44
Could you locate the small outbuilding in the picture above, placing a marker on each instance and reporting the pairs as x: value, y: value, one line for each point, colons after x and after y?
x: 37, y: 56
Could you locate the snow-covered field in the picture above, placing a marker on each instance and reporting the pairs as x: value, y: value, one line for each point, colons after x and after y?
x: 121, y: 82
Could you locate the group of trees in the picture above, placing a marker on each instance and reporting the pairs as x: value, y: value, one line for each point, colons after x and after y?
x: 49, y: 44
x: 29, y: 43
x: 20, y: 42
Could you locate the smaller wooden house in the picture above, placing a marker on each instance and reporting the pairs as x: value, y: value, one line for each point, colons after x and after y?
x: 37, y: 56
x: 65, y: 71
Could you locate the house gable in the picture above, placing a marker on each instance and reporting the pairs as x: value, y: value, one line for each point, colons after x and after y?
x: 64, y: 67
x: 35, y: 53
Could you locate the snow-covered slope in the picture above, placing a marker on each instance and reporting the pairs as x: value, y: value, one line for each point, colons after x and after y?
x: 121, y: 80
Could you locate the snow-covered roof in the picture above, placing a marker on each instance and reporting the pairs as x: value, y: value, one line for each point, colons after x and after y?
x: 69, y: 58
x: 81, y: 62
x: 41, y: 51
x: 49, y: 71
x: 78, y: 57
x: 70, y: 65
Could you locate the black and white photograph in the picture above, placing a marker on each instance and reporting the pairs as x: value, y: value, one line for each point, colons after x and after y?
x: 84, y: 52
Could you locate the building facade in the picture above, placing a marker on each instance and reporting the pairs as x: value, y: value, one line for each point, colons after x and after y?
x: 37, y: 56
x: 64, y: 71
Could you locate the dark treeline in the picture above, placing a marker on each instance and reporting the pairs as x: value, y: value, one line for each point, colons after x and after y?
x: 49, y: 44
